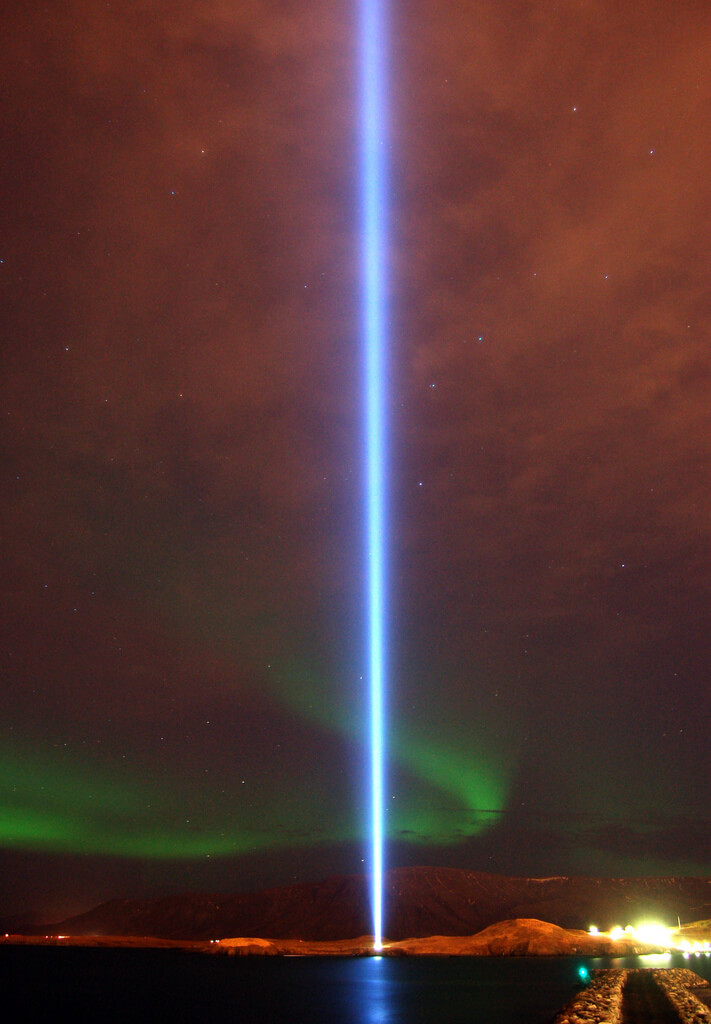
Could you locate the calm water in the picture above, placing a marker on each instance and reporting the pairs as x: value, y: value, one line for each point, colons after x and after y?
x: 98, y: 985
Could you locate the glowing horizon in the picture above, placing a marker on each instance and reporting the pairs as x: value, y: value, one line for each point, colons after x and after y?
x: 373, y: 172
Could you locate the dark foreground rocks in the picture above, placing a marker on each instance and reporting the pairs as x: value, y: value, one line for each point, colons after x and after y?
x: 683, y: 989
x: 641, y: 996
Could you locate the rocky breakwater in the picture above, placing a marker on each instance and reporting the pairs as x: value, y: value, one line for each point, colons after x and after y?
x: 599, y: 1003
x: 605, y: 1000
x: 678, y: 985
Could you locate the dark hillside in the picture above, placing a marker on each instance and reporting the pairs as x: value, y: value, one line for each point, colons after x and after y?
x: 420, y: 902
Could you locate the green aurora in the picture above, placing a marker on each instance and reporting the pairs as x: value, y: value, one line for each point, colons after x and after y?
x: 455, y: 784
x: 51, y: 803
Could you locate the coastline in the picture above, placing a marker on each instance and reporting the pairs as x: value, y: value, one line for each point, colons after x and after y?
x: 519, y: 937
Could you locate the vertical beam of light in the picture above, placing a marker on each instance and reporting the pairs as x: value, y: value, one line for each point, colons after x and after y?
x: 373, y: 173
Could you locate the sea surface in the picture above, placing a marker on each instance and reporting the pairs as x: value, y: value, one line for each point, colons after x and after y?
x: 145, y: 985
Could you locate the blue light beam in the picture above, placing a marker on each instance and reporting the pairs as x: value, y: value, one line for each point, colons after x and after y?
x: 373, y: 227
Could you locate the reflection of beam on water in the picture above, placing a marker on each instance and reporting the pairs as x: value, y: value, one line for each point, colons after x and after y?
x: 377, y: 1004
x: 372, y: 85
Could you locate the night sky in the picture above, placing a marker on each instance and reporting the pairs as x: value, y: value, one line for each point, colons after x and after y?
x: 182, y: 701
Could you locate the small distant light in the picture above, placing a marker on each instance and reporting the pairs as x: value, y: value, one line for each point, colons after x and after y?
x: 593, y: 930
x: 584, y: 975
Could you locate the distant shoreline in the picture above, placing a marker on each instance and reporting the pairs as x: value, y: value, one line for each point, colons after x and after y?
x: 520, y: 937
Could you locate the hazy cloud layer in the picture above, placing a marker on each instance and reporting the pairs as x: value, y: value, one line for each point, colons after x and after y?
x: 180, y: 410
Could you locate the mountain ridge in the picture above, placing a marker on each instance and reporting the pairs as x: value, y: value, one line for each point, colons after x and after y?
x: 419, y: 901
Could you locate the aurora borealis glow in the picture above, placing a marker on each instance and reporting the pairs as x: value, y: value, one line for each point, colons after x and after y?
x: 182, y: 636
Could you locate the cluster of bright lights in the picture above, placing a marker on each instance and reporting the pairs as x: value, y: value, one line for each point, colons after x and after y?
x: 694, y: 948
x: 651, y: 933
x: 372, y: 86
